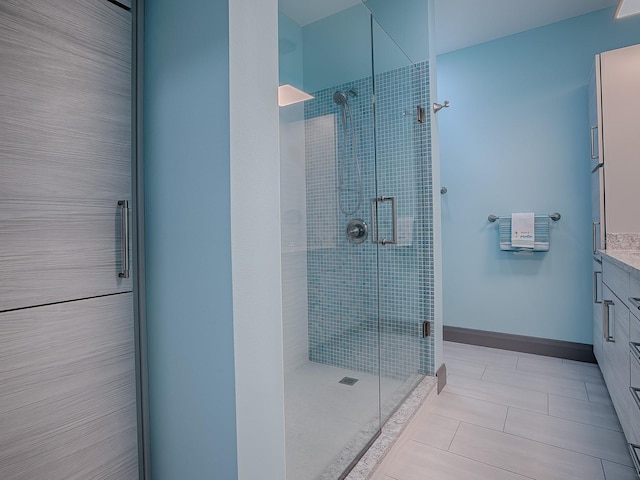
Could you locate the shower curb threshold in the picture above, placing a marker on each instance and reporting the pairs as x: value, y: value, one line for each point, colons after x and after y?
x: 391, y: 430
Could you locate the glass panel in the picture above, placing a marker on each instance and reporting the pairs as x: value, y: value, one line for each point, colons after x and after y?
x: 353, y: 307
x: 403, y: 163
x: 329, y: 283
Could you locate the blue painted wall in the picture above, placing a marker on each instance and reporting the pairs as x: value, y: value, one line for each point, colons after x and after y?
x: 189, y: 296
x: 407, y: 22
x: 337, y: 49
x: 290, y: 51
x: 516, y: 139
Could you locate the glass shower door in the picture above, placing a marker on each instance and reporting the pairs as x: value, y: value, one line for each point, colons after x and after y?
x: 356, y: 234
x: 329, y: 265
x: 404, y: 219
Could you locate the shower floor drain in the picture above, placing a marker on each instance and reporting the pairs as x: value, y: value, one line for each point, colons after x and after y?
x: 348, y: 381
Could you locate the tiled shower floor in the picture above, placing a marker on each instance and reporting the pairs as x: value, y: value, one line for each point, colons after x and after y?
x: 327, y: 423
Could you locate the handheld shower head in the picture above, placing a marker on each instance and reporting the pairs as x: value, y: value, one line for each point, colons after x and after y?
x: 340, y: 98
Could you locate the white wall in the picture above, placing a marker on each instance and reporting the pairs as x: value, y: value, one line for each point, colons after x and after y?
x: 293, y: 210
x: 255, y: 235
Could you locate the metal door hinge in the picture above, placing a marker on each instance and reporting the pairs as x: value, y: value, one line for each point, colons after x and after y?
x: 426, y: 329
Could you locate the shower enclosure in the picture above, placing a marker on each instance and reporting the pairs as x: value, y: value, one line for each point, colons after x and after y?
x: 357, y: 231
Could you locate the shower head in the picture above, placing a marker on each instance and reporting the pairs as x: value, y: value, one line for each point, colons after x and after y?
x: 340, y: 98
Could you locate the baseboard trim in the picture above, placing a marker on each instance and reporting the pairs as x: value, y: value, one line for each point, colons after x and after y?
x: 581, y: 352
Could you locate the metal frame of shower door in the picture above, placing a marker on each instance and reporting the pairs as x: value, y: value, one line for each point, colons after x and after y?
x: 138, y: 236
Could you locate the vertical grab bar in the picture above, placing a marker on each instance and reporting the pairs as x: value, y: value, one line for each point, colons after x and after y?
x: 124, y: 242
x: 593, y: 144
x: 394, y: 220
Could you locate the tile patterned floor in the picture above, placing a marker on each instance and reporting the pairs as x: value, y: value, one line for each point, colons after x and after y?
x: 508, y: 415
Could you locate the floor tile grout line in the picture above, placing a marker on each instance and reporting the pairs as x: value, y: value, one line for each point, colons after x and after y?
x: 568, y: 376
x: 478, y: 461
x: 504, y: 425
x: 561, y: 448
x: 570, y: 420
x: 483, y: 372
x: 486, y: 401
x: 493, y: 383
x: 538, y: 390
x: 549, y: 445
x: 582, y: 423
x: 454, y: 436
x: 604, y: 473
x: 494, y: 402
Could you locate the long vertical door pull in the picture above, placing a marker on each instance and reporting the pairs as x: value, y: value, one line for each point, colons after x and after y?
x: 394, y: 220
x: 124, y: 243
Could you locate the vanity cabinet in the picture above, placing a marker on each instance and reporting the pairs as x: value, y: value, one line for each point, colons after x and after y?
x: 619, y: 354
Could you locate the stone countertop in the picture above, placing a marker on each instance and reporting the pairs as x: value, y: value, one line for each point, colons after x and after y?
x: 626, y: 259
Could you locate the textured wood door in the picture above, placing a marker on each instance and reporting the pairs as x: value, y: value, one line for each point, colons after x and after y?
x: 65, y: 149
x: 67, y: 391
x: 67, y: 356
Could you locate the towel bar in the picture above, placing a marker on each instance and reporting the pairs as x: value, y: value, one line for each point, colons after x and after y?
x: 553, y: 216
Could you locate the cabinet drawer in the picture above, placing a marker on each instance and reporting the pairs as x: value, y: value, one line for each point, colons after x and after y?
x: 634, y: 329
x: 632, y: 429
x: 616, y: 279
x: 634, y: 291
x: 615, y: 366
x: 597, y: 311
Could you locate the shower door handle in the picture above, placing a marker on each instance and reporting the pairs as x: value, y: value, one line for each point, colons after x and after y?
x: 394, y: 220
x: 124, y: 241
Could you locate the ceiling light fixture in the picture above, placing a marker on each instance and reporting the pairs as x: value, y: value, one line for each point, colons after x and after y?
x: 288, y: 95
x: 627, y: 8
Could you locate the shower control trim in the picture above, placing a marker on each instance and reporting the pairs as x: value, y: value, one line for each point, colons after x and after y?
x: 357, y: 231
x: 394, y: 220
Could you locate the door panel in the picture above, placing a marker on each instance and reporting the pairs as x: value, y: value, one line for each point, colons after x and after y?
x: 65, y: 98
x: 65, y: 148
x: 403, y: 174
x: 67, y: 390
x: 59, y: 252
x: 67, y: 370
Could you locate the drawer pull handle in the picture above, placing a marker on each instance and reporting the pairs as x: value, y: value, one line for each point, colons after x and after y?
x: 594, y: 154
x: 635, y: 301
x: 634, y: 450
x: 606, y: 321
x: 635, y: 350
x: 635, y: 393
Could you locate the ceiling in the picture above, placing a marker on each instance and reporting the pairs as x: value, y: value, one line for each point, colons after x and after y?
x: 462, y: 23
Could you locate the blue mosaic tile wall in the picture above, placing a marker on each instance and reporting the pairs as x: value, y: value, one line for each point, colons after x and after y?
x: 347, y: 282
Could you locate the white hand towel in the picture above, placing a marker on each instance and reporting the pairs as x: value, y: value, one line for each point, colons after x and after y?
x: 523, y: 230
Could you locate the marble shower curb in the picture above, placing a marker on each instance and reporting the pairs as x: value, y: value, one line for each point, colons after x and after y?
x: 391, y: 430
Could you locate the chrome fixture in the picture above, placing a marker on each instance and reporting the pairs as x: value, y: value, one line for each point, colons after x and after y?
x: 341, y: 98
x: 124, y: 237
x: 420, y: 114
x: 443, y: 190
x: 553, y: 216
x: 374, y: 220
x: 357, y: 231
x: 437, y: 106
